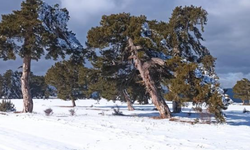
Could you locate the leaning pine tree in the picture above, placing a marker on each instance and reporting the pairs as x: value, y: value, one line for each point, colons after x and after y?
x: 36, y: 30
x: 121, y: 33
x: 148, y: 45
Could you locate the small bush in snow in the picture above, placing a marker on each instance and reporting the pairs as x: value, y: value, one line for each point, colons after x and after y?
x: 245, y: 110
x: 117, y: 111
x: 48, y: 112
x: 72, y: 112
x: 7, y: 105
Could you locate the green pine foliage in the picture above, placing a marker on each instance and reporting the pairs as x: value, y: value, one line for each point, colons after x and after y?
x: 115, y: 66
x: 186, y: 87
x: 242, y: 90
x: 25, y: 27
x: 215, y: 105
x: 64, y: 76
x: 95, y: 82
x: 183, y: 87
x: 183, y: 31
x: 182, y: 37
x: 113, y: 74
x: 38, y: 86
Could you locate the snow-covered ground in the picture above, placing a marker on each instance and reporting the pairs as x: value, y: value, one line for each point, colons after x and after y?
x: 95, y: 128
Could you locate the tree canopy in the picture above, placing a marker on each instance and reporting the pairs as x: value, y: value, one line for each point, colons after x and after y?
x: 242, y: 90
x: 64, y: 76
x: 126, y: 43
x: 36, y: 30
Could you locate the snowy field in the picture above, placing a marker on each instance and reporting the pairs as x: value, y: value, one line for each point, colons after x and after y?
x: 93, y: 127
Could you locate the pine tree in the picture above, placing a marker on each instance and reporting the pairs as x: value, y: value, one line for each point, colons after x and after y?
x: 242, y: 90
x: 145, y: 45
x: 64, y: 76
x: 35, y: 30
x: 117, y: 35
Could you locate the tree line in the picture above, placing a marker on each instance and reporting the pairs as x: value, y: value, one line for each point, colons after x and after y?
x: 132, y: 57
x: 10, y: 86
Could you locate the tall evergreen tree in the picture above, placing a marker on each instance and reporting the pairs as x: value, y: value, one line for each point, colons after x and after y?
x: 242, y: 90
x: 145, y: 45
x: 64, y: 76
x: 118, y: 35
x: 35, y: 30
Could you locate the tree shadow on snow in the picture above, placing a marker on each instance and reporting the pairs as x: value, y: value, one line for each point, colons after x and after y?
x: 238, y: 118
x: 139, y: 108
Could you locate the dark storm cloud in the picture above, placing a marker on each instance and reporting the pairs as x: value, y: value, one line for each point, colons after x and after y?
x: 226, y: 34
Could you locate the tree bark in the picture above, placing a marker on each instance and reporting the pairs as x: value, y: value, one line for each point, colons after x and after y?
x: 151, y: 88
x: 73, y: 103
x: 129, y: 102
x: 145, y: 101
x: 176, y: 107
x: 27, y: 99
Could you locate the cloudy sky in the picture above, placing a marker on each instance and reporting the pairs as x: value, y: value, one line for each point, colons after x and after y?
x: 227, y: 33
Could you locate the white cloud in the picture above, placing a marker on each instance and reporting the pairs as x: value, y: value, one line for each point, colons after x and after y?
x: 84, y: 11
x: 229, y: 80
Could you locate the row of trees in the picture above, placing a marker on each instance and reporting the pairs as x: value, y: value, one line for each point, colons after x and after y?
x: 10, y: 86
x: 132, y: 58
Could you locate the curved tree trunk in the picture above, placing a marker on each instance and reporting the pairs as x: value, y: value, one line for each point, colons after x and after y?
x: 27, y: 99
x: 129, y: 102
x: 151, y: 88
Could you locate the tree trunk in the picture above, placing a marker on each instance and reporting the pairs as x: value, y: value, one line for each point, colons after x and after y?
x: 145, y: 101
x: 73, y: 102
x: 129, y: 102
x: 27, y: 99
x: 151, y: 88
x: 176, y: 107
